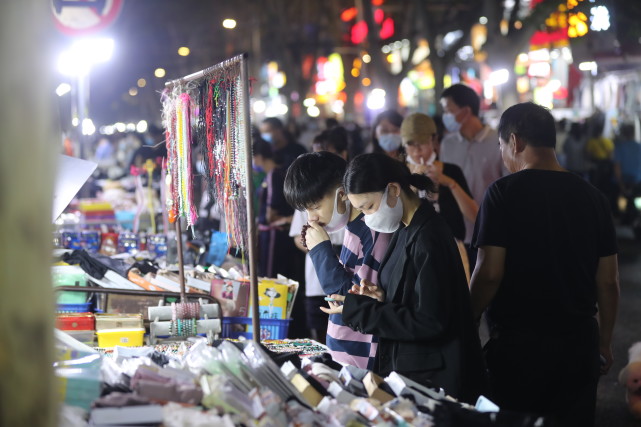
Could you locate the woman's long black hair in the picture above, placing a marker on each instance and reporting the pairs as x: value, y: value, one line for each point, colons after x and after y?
x: 372, y: 172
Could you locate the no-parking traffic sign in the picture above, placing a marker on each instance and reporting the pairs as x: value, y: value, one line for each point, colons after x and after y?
x: 83, y: 17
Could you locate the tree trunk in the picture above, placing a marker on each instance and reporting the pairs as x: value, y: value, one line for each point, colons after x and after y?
x: 26, y: 162
x: 438, y: 66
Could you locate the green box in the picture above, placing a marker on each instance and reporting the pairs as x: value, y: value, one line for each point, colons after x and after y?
x: 69, y: 275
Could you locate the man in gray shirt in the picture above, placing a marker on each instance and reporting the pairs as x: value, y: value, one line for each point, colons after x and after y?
x: 469, y: 144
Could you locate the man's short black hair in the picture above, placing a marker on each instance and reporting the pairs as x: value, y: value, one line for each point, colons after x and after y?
x: 311, y: 176
x: 335, y: 138
x: 262, y: 148
x: 275, y: 123
x: 463, y: 96
x: 531, y: 122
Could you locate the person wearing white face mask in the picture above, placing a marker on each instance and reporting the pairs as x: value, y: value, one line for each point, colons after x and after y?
x: 386, y: 137
x: 313, y: 184
x: 335, y: 141
x: 452, y: 199
x: 469, y: 144
x: 421, y: 308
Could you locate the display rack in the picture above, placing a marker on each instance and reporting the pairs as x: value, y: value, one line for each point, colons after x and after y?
x: 236, y: 121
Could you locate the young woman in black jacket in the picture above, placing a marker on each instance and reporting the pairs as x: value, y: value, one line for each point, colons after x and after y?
x: 421, y: 310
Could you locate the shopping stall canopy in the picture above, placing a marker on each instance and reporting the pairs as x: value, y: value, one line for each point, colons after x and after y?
x: 72, y: 174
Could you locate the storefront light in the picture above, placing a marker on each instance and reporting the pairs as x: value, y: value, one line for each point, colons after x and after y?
x: 554, y: 85
x: 141, y: 126
x: 322, y: 87
x: 522, y: 85
x: 279, y: 80
x: 376, y: 99
x: 63, y: 88
x: 499, y: 77
x: 539, y: 55
x: 539, y: 69
x: 313, y: 111
x: 282, y: 109
x: 337, y: 107
x: 600, y: 18
x: 88, y: 128
x: 587, y: 66
x: 230, y: 24
x: 259, y: 106
x: 308, y: 102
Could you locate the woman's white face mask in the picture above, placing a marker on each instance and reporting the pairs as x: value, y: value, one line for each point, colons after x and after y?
x: 386, y: 219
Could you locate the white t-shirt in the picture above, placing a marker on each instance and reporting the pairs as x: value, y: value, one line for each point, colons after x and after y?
x: 479, y: 159
x: 312, y: 285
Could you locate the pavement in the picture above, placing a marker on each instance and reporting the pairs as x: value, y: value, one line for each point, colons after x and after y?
x: 612, y: 409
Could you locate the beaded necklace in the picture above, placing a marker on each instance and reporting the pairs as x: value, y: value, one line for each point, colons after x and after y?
x: 209, y: 115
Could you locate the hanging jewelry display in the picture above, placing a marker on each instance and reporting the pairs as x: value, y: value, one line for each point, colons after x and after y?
x: 210, y: 110
x: 213, y: 109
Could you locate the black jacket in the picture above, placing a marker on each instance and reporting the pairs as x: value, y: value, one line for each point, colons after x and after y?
x: 425, y: 325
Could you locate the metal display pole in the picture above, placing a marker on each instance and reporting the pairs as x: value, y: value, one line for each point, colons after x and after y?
x: 249, y: 186
x: 249, y: 183
x: 181, y: 261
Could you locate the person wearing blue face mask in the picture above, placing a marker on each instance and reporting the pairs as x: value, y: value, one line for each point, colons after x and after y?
x: 420, y: 309
x: 386, y: 134
x: 470, y: 145
x: 284, y: 147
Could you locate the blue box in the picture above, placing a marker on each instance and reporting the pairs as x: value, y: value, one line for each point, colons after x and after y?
x: 270, y: 329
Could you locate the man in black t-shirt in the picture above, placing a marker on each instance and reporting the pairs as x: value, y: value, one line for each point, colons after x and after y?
x: 547, y: 261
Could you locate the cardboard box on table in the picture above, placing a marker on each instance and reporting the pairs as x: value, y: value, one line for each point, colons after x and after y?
x: 232, y: 295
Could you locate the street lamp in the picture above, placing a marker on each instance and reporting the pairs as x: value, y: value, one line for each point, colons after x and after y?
x: 77, y: 62
x: 230, y: 24
x: 83, y: 54
x: 63, y: 88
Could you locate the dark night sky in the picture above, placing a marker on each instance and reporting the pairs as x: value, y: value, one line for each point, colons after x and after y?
x: 147, y: 35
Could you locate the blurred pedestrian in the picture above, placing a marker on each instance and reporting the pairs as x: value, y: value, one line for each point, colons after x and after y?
x: 600, y: 150
x: 277, y: 252
x: 469, y: 144
x: 284, y: 147
x: 627, y: 170
x: 386, y: 134
x: 576, y: 159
